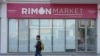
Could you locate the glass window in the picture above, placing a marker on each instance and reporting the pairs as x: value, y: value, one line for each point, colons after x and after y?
x: 70, y: 24
x: 46, y: 34
x: 23, y: 35
x: 70, y: 35
x: 58, y: 36
x: 45, y: 23
x: 13, y: 35
x: 34, y: 31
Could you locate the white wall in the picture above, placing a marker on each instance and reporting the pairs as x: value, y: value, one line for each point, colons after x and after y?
x: 0, y: 27
x: 4, y: 29
x: 98, y: 30
x: 0, y: 10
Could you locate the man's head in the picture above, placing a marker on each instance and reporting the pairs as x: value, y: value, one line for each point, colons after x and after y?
x: 38, y: 37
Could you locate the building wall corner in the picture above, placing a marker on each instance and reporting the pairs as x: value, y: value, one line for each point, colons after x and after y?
x: 98, y: 29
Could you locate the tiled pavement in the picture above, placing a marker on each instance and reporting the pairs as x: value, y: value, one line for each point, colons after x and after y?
x: 49, y: 55
x: 57, y: 54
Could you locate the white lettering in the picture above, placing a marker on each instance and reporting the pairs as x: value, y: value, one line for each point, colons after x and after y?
x: 81, y: 10
x: 34, y: 11
x: 24, y: 10
x: 55, y: 10
x: 61, y: 10
x: 48, y: 11
x: 66, y: 10
x: 29, y: 10
x: 71, y: 11
x: 76, y: 11
x: 41, y: 11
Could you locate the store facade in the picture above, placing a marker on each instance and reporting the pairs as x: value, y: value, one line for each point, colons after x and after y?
x: 64, y: 28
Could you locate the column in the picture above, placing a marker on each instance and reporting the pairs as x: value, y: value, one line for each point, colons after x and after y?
x: 4, y: 29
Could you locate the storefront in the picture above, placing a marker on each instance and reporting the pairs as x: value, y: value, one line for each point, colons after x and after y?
x: 62, y: 27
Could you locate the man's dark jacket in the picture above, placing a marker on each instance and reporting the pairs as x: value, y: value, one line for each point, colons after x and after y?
x: 38, y: 45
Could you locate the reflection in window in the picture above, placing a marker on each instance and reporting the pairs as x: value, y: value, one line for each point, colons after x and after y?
x: 70, y: 35
x: 81, y: 35
x: 23, y: 35
x: 46, y: 34
x: 81, y: 39
x: 70, y: 24
x: 34, y: 23
x: 13, y: 35
x: 91, y: 36
x: 81, y: 23
x: 45, y: 23
x: 58, y: 36
x: 34, y: 31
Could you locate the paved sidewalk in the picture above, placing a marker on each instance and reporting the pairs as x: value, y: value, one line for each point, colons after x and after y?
x: 50, y: 55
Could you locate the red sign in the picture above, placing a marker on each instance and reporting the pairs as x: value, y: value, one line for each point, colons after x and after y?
x: 24, y: 10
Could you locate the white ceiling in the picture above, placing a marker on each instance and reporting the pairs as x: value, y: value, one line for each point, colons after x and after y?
x: 2, y: 1
x: 57, y: 1
x: 76, y: 1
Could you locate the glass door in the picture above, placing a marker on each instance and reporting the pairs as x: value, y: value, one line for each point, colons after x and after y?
x: 81, y: 33
x: 91, y: 35
x: 86, y: 32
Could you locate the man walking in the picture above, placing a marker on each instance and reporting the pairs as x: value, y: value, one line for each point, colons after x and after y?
x: 38, y: 46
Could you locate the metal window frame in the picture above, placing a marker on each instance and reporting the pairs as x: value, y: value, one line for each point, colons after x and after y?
x: 9, y: 37
x: 28, y: 35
